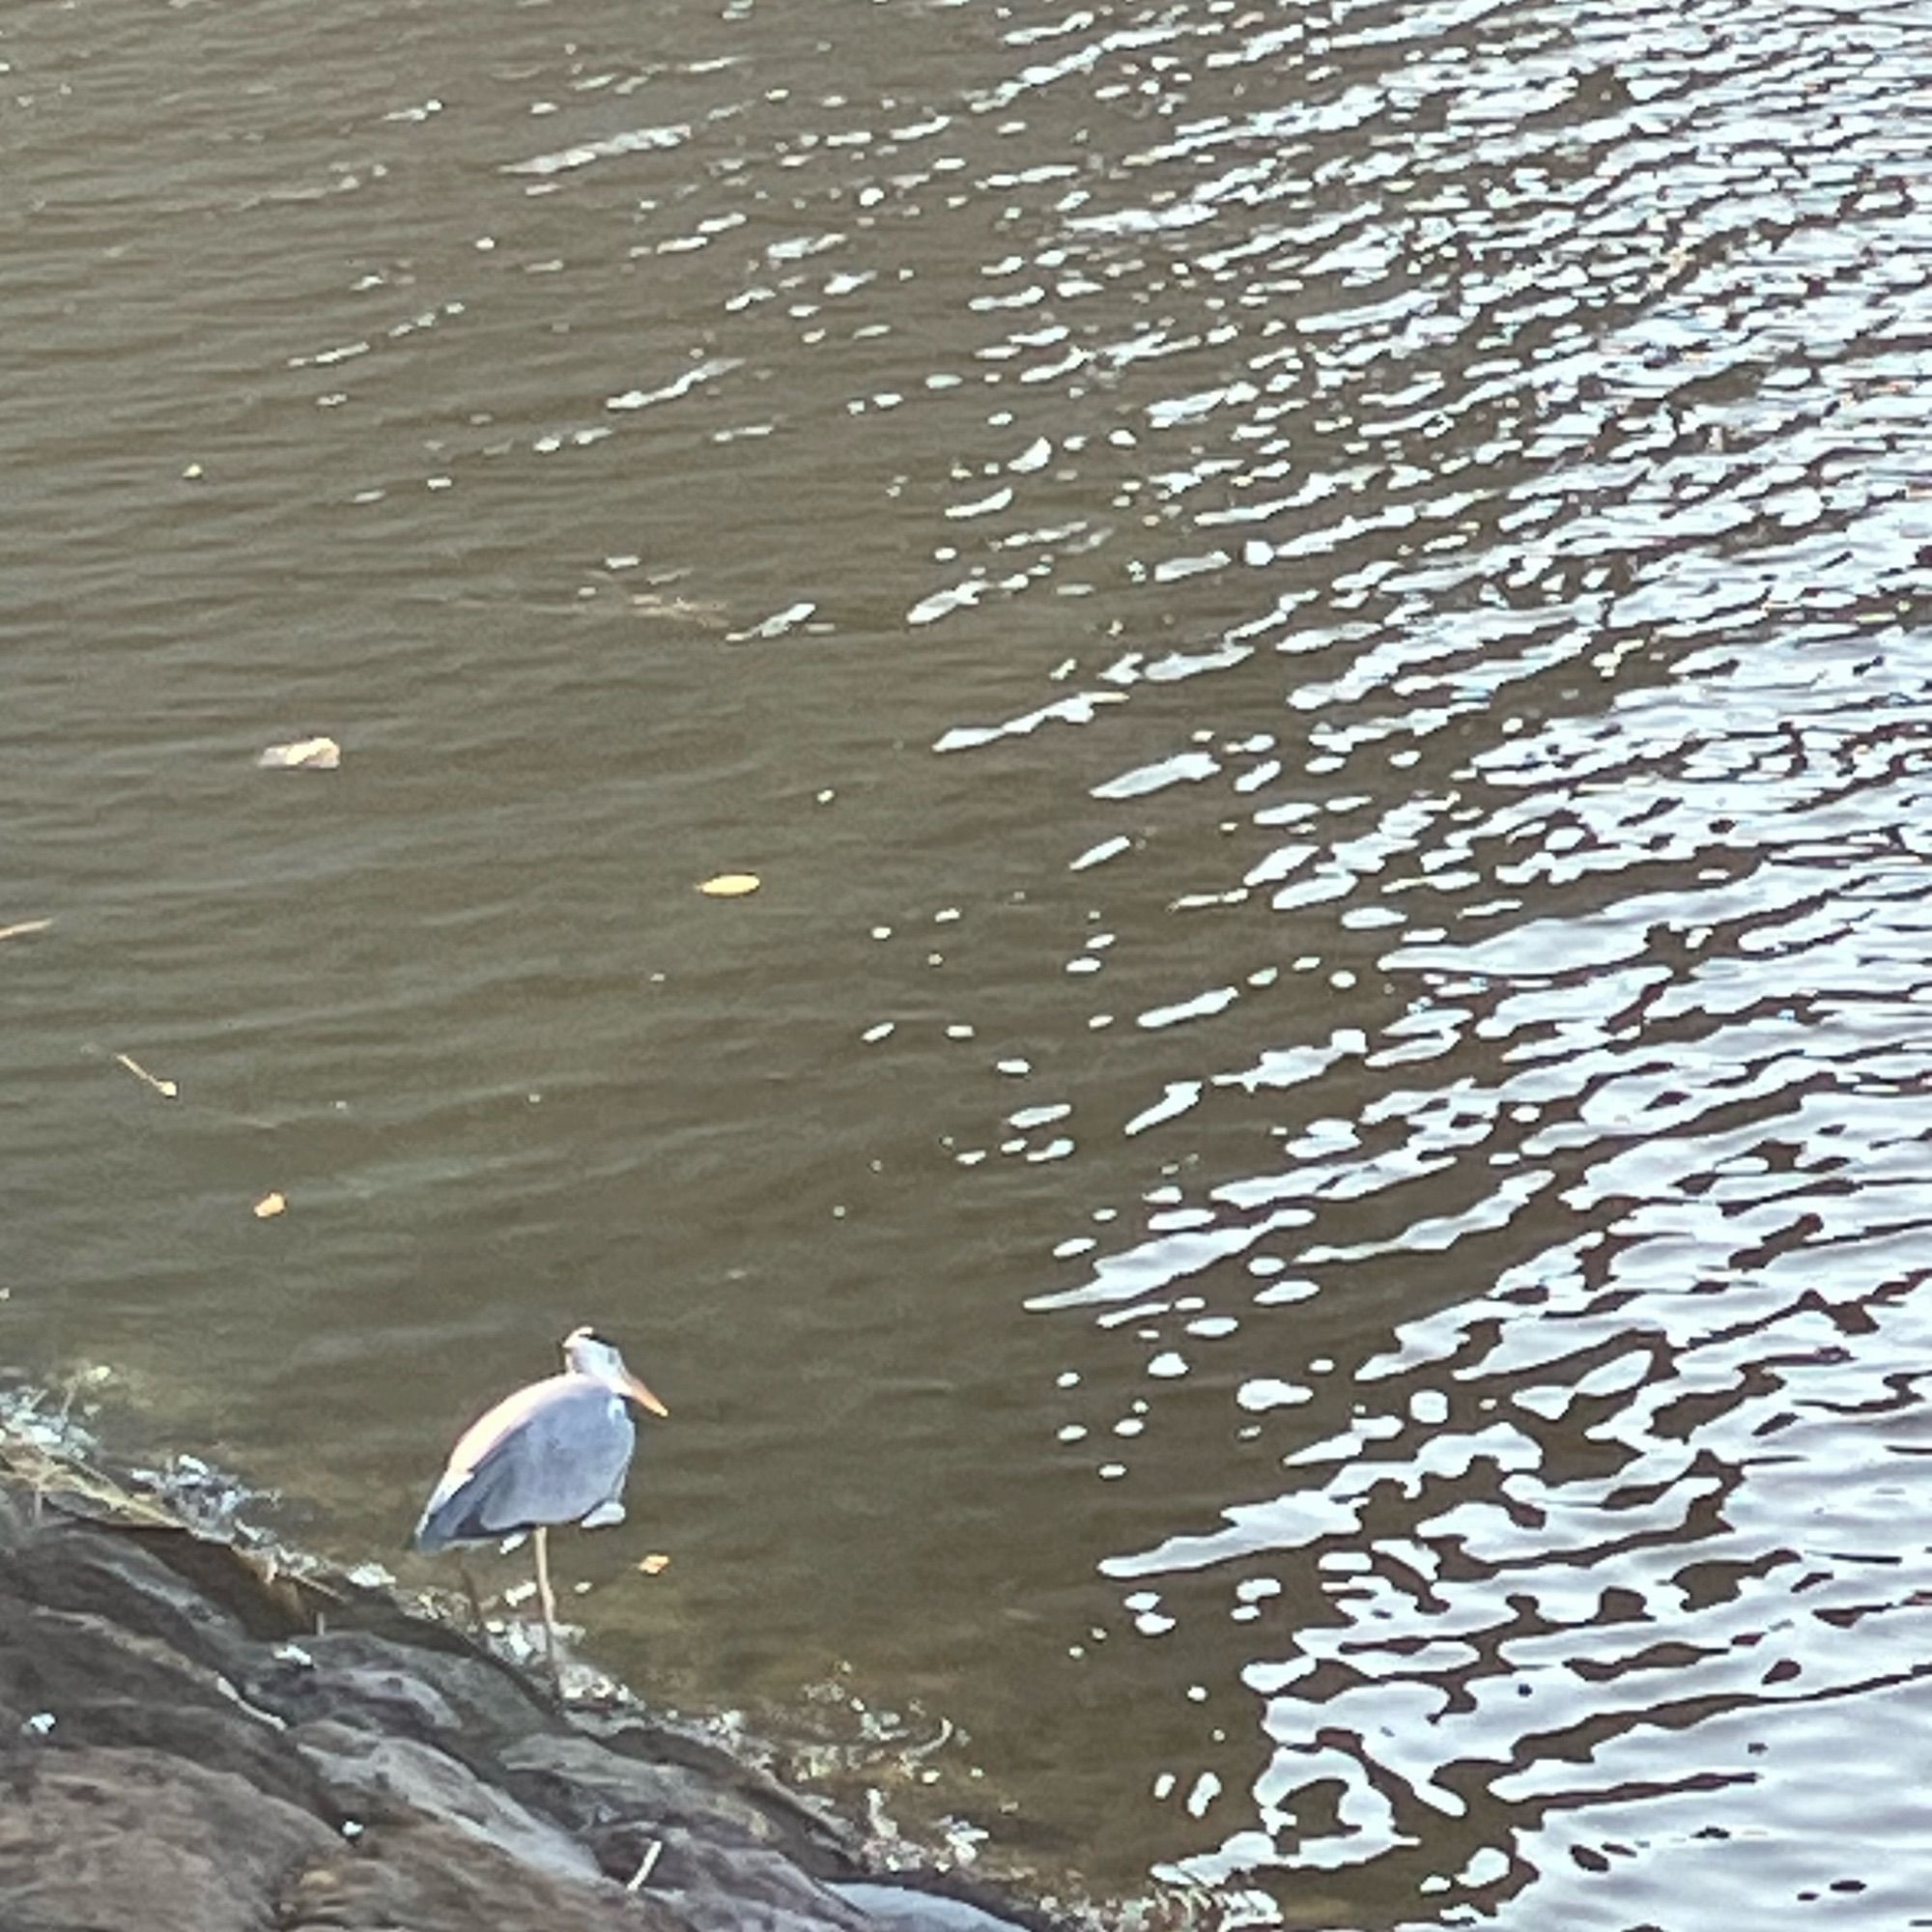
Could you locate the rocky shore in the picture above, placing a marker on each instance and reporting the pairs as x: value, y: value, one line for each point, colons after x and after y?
x: 198, y: 1736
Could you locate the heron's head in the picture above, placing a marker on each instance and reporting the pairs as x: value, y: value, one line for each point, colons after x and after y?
x: 585, y: 1353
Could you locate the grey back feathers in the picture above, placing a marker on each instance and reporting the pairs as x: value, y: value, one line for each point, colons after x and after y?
x: 553, y: 1453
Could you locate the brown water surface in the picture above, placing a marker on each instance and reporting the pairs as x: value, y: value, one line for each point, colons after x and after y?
x: 1288, y: 1244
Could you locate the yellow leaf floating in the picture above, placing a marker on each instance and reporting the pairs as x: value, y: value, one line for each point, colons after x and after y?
x: 654, y: 1563
x: 730, y: 885
x: 269, y: 1205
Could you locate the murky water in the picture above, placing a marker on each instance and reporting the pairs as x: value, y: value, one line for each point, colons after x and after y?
x: 1285, y: 1243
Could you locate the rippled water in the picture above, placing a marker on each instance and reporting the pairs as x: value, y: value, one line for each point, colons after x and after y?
x: 1285, y: 1244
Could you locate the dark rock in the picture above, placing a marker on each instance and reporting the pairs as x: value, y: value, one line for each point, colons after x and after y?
x: 98, y: 1838
x: 582, y: 1783
x: 195, y: 1737
x: 746, y: 1889
x: 809, y: 1830
x: 102, y: 1575
x: 429, y: 1877
x: 901, y: 1908
x: 435, y: 1695
x: 367, y: 1774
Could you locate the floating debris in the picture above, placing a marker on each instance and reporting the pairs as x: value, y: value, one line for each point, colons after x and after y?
x: 730, y: 885
x: 269, y: 1205
x: 655, y: 1564
x: 774, y: 626
x: 707, y: 613
x: 21, y: 928
x: 168, y: 1090
x: 302, y: 755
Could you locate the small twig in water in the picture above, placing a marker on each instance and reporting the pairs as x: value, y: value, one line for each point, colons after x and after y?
x: 22, y: 928
x: 166, y: 1089
x: 646, y: 1865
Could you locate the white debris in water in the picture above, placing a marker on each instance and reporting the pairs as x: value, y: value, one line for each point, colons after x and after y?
x: 1211, y: 1327
x: 1265, y: 1392
x: 1168, y: 1363
x: 1098, y: 855
x: 774, y: 626
x: 301, y: 754
x: 1276, y: 1292
x: 1206, y: 1788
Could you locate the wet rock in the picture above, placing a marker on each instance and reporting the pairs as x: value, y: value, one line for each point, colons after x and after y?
x: 394, y: 1776
x: 436, y: 1696
x: 899, y: 1908
x: 429, y: 1877
x: 727, y: 1887
x: 194, y: 1739
x: 115, y: 1579
x: 99, y: 1837
x: 585, y: 1783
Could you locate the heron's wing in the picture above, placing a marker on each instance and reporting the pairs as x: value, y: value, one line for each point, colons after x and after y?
x: 550, y: 1453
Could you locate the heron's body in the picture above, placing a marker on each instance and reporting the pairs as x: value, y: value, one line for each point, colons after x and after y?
x: 554, y: 1452
x: 558, y: 1451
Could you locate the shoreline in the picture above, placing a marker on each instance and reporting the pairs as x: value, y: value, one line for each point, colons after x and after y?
x: 205, y: 1731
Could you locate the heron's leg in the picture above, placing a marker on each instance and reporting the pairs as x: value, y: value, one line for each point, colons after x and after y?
x: 478, y: 1624
x: 549, y: 1604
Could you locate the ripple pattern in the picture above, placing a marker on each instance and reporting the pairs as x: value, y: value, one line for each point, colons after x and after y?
x: 1312, y: 1158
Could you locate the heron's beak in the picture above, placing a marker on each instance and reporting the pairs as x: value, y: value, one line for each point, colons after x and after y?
x: 642, y: 1396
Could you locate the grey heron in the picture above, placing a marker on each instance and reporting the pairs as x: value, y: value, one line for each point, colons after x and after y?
x: 556, y: 1451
